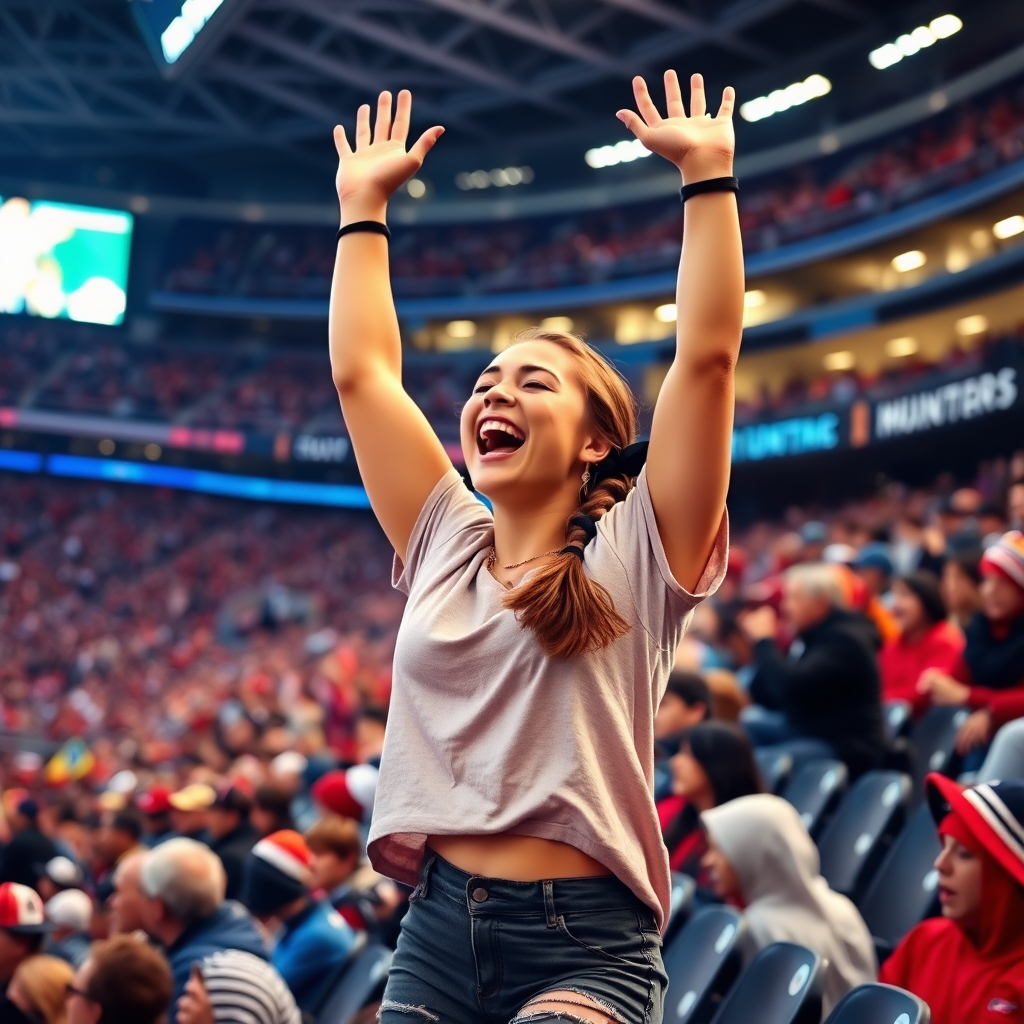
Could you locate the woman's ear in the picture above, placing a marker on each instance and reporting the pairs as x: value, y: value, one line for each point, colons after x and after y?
x: 595, y: 449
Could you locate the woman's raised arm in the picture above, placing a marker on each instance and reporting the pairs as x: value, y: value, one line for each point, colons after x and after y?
x: 691, y: 434
x: 400, y: 458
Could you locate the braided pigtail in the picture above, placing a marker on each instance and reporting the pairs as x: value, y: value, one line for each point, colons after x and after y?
x: 569, y: 612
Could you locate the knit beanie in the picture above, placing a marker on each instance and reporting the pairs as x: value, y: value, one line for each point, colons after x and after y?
x: 1006, y: 557
x: 924, y: 585
x: 349, y: 792
x: 278, y: 871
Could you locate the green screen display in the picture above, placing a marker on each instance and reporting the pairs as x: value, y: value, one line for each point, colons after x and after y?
x: 60, y: 260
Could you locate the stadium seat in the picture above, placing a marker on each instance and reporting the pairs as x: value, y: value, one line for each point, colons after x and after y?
x: 815, y: 789
x: 702, y: 961
x: 856, y: 839
x: 896, y: 718
x: 933, y: 741
x: 879, y: 1004
x: 681, y: 907
x: 782, y: 985
x: 903, y: 892
x: 359, y: 979
x: 775, y: 767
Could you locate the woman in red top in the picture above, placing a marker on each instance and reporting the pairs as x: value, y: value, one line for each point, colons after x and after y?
x: 968, y: 965
x: 926, y: 640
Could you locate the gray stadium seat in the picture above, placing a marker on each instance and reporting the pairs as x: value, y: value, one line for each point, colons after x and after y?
x: 904, y: 890
x: 932, y: 740
x: 775, y: 767
x: 681, y: 907
x: 896, y: 718
x: 360, y: 979
x: 879, y: 1004
x: 815, y: 789
x: 858, y: 836
x: 702, y: 961
x: 782, y: 985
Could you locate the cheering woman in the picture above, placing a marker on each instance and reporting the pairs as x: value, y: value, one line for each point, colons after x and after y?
x: 515, y: 787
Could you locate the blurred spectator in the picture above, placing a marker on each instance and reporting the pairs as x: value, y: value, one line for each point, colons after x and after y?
x: 348, y: 792
x: 127, y: 899
x: 286, y: 771
x: 184, y: 909
x: 990, y: 676
x: 119, y: 835
x: 824, y: 698
x: 715, y: 764
x: 926, y: 639
x: 369, y: 734
x: 271, y: 810
x: 188, y: 810
x: 232, y: 987
x: 761, y: 856
x: 28, y: 849
x: 686, y: 702
x: 39, y: 989
x: 70, y: 913
x: 23, y: 927
x: 1015, y: 505
x: 961, y: 583
x: 124, y: 981
x: 873, y: 567
x: 968, y: 964
x: 312, y: 939
x: 155, y: 805
x: 1005, y: 757
x: 59, y: 873
x: 230, y: 835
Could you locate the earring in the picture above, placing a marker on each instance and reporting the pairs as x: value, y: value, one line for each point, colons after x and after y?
x: 586, y: 476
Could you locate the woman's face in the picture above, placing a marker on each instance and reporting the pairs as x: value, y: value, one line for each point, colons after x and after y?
x: 959, y: 882
x: 1001, y: 600
x: 907, y: 609
x: 959, y: 591
x: 723, y: 878
x: 525, y: 427
x: 689, y: 780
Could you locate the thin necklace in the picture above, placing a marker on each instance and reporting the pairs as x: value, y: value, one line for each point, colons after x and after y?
x: 492, y: 559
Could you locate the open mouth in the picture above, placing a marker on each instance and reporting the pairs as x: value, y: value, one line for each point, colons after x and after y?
x: 499, y: 437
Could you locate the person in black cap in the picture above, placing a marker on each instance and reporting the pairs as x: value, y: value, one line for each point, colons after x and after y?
x: 229, y: 833
x: 29, y: 848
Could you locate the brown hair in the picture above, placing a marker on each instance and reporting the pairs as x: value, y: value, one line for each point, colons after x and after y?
x: 130, y: 980
x: 44, y: 982
x: 569, y: 612
x: 333, y: 834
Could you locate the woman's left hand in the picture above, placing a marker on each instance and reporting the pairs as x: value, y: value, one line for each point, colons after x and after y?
x: 975, y: 732
x: 700, y: 145
x: 943, y: 689
x: 194, y: 1006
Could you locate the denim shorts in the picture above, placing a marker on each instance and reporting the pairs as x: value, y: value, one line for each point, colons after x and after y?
x: 477, y: 950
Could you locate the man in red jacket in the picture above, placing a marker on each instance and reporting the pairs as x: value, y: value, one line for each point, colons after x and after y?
x: 968, y: 965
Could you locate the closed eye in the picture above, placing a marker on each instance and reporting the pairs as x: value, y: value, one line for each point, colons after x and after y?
x: 536, y: 384
x: 481, y: 388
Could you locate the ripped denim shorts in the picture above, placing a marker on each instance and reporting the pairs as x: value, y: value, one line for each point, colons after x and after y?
x: 475, y: 950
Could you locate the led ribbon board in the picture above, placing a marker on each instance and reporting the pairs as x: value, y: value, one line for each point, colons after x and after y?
x: 177, y: 30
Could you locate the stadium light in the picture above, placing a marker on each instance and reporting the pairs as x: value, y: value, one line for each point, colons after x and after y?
x: 416, y: 188
x: 782, y: 99
x: 898, y: 348
x: 461, y: 329
x: 968, y: 325
x: 754, y: 298
x: 623, y: 152
x: 913, y: 42
x: 557, y: 323
x: 499, y: 177
x: 909, y: 261
x: 843, y: 360
x: 666, y: 313
x: 1008, y: 227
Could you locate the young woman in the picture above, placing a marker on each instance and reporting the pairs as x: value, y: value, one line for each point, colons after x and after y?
x: 516, y: 776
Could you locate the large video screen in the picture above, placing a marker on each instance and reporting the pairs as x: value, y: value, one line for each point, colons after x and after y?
x: 59, y: 260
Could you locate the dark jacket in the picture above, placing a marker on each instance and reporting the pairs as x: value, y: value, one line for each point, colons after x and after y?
x: 73, y: 948
x: 232, y: 850
x: 24, y: 856
x: 228, y: 927
x: 828, y: 687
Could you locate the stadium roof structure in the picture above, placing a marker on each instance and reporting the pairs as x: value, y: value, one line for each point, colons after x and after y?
x: 77, y: 78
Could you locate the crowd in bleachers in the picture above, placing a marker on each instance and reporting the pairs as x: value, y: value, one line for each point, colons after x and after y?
x: 227, y: 670
x: 282, y: 261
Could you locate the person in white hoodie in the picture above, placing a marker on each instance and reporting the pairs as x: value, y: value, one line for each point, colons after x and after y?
x: 761, y: 857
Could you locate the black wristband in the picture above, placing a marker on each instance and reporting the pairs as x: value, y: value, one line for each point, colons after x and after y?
x: 374, y: 227
x: 697, y: 188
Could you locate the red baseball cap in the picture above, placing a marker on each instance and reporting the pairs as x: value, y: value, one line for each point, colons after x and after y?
x: 156, y: 800
x: 21, y: 910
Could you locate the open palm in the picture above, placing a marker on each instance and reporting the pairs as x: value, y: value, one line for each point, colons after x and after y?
x: 693, y: 142
x: 380, y: 163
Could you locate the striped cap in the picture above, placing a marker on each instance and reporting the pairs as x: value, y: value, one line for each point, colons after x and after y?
x: 1006, y: 557
x: 287, y: 851
x: 244, y: 989
x: 992, y: 811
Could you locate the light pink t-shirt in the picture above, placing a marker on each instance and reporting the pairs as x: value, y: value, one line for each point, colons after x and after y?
x: 486, y: 734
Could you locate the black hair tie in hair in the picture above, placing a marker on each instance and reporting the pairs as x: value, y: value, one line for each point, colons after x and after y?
x: 572, y: 549
x: 586, y: 524
x: 627, y: 462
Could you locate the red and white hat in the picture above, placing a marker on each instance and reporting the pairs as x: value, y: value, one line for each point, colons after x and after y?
x: 349, y: 792
x: 278, y: 870
x: 21, y: 910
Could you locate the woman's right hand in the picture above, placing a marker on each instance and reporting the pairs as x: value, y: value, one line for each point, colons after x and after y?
x: 379, y: 165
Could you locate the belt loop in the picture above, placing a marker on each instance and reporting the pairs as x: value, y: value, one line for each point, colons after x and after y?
x: 549, y: 904
x: 424, y: 886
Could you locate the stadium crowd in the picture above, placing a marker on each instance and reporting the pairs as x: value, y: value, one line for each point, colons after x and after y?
x: 282, y: 261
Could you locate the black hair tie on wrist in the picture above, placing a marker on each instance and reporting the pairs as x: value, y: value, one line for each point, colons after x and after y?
x: 698, y: 188
x: 586, y: 524
x: 374, y: 227
x: 572, y: 549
